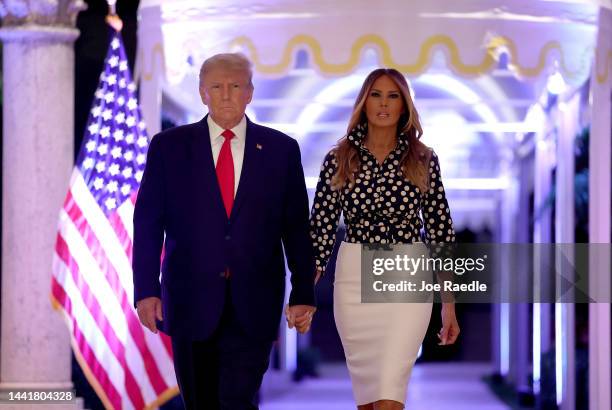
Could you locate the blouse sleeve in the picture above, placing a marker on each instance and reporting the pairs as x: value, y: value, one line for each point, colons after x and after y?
x: 325, y: 213
x: 436, y: 213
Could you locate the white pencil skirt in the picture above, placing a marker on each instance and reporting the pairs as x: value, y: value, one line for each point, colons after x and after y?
x: 381, y: 340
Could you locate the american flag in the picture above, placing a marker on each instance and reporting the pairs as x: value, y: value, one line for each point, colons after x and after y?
x: 128, y: 366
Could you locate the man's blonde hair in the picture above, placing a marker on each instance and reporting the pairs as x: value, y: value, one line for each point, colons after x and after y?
x: 227, y: 61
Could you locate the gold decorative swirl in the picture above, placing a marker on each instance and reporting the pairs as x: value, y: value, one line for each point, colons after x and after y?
x: 487, y: 63
x: 607, y: 63
x: 148, y: 74
x: 530, y: 72
x: 385, y: 52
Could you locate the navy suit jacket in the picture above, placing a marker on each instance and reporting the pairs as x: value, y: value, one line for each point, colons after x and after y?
x: 179, y: 196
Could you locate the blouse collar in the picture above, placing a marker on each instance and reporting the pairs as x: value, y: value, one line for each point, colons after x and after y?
x: 358, y: 134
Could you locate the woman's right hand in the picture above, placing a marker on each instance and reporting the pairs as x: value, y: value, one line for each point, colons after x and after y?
x: 450, y: 326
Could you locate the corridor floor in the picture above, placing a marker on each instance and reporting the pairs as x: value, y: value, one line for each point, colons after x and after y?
x: 438, y: 386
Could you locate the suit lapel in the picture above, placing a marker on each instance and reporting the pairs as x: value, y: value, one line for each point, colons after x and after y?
x: 203, y: 167
x: 250, y: 166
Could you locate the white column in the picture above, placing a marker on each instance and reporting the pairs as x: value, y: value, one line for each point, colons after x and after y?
x: 599, y: 217
x: 38, y: 86
x: 150, y: 103
x: 564, y: 233
x: 509, y: 212
x: 149, y: 70
x: 544, y: 164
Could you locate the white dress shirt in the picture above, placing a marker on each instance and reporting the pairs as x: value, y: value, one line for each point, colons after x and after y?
x: 237, y: 145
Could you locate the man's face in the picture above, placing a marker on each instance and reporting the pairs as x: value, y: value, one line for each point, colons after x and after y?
x: 226, y: 93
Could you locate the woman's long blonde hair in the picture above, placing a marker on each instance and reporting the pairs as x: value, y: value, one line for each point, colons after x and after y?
x: 414, y: 162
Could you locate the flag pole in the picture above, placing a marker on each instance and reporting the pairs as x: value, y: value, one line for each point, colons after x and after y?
x: 112, y: 18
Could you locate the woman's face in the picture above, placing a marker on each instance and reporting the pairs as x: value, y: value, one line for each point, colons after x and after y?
x: 384, y: 104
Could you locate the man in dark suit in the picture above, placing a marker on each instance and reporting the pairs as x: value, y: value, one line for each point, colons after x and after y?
x: 228, y: 195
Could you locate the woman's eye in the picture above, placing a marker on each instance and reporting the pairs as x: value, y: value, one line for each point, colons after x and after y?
x: 394, y: 96
x: 374, y: 94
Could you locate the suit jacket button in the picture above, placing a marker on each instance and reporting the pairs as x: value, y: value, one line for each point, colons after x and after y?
x: 228, y: 237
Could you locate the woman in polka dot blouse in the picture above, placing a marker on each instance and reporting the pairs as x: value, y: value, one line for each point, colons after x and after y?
x: 381, y: 178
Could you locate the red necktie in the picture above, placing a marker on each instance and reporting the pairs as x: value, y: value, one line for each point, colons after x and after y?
x: 225, y: 171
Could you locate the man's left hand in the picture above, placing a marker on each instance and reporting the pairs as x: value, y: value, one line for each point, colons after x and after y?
x: 300, y: 316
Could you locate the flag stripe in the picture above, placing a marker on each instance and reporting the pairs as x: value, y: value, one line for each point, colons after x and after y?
x: 122, y: 234
x: 107, y: 330
x: 96, y: 369
x: 167, y: 345
x: 134, y: 326
x: 91, y: 275
x: 126, y: 214
x: 107, y: 237
x: 90, y: 333
x: 112, y: 312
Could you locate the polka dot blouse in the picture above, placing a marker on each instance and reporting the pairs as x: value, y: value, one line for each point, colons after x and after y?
x: 381, y: 206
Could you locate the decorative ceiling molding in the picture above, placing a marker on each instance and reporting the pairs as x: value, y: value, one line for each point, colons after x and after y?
x: 59, y: 13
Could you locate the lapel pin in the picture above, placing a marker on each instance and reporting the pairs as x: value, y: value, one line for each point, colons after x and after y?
x: 258, y: 146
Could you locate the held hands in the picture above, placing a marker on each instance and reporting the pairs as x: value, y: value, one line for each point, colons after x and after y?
x: 148, y: 310
x: 450, y: 327
x: 299, y: 316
